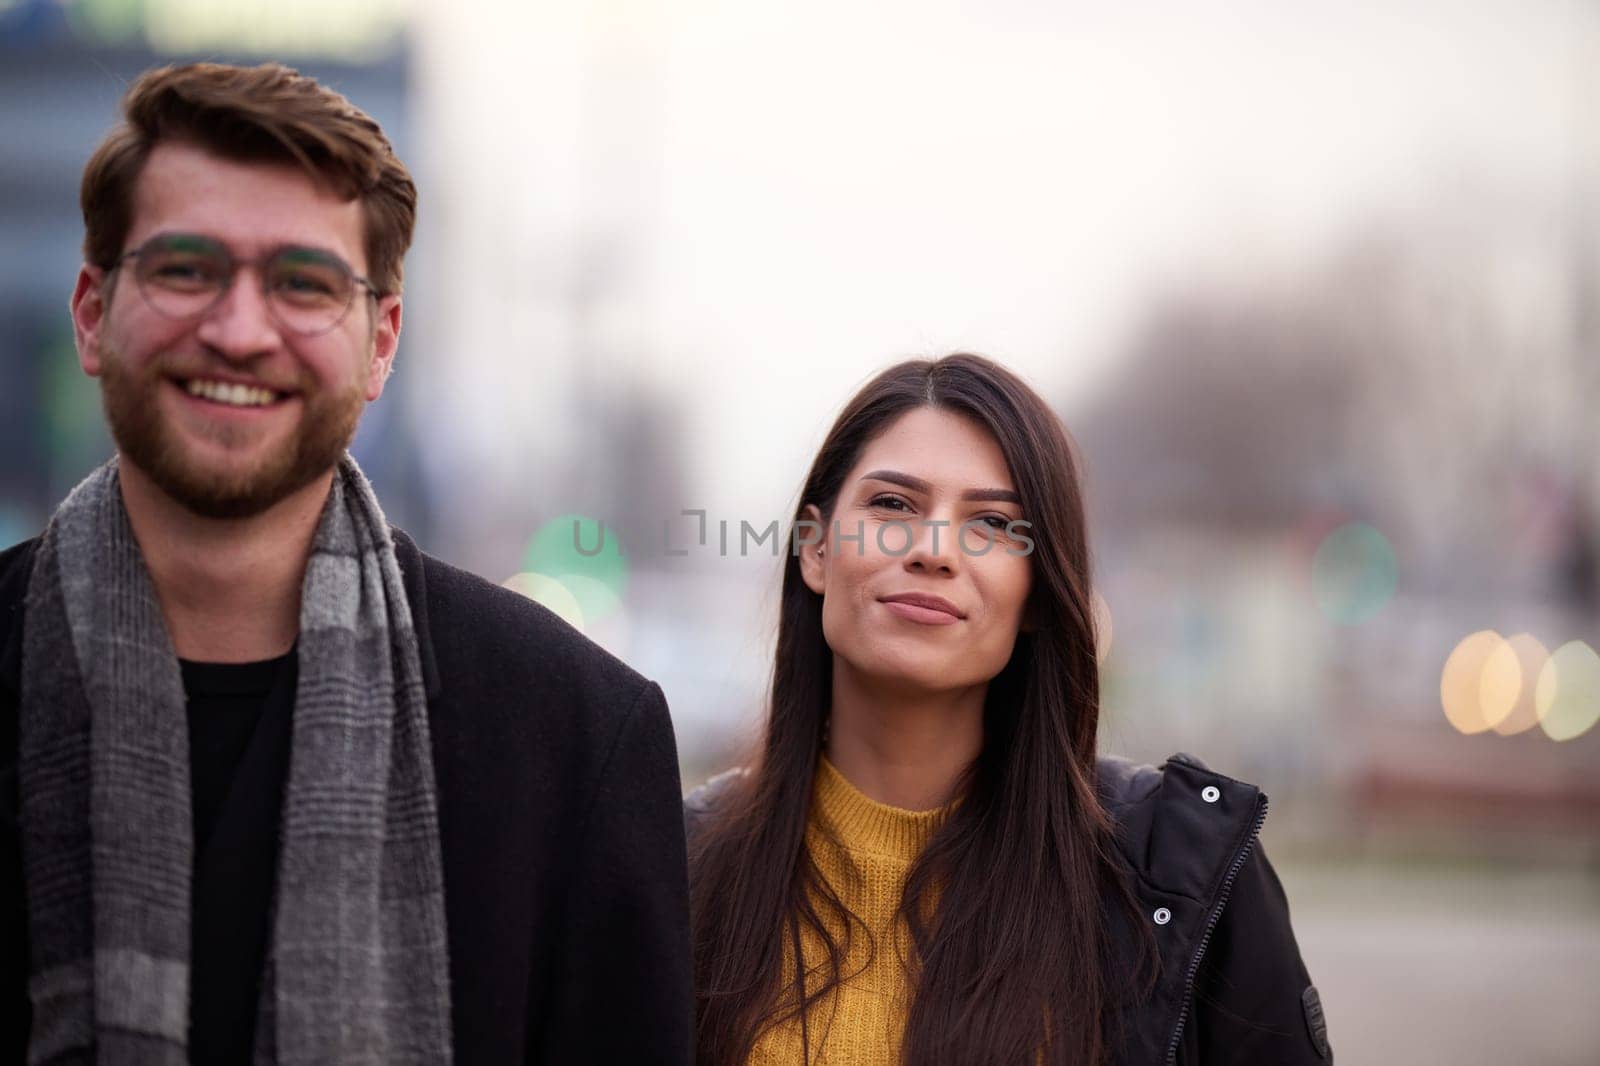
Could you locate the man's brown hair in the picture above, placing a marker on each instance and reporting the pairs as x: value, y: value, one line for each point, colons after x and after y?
x: 268, y: 113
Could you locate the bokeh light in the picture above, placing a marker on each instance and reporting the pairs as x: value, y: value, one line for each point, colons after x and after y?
x: 1568, y: 695
x: 1353, y: 573
x: 598, y: 599
x: 551, y: 592
x: 1476, y: 696
x: 586, y: 556
x: 614, y: 633
x: 1529, y: 657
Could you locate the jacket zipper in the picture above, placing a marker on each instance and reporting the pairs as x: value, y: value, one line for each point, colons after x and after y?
x: 1211, y: 924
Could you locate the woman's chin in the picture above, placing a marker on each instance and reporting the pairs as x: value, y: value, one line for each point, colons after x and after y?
x: 927, y: 675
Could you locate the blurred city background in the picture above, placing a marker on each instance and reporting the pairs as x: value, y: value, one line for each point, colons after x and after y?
x: 1316, y: 286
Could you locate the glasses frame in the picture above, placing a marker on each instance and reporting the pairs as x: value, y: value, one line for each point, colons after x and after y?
x: 232, y: 265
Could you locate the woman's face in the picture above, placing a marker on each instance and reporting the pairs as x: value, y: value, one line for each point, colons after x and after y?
x: 922, y: 584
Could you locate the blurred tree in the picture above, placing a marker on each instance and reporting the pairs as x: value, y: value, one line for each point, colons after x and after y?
x: 1424, y: 378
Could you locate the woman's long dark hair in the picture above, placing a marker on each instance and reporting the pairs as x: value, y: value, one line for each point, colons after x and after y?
x: 1007, y: 905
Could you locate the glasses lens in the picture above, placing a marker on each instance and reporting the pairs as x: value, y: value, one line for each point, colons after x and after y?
x: 309, y: 290
x: 182, y: 275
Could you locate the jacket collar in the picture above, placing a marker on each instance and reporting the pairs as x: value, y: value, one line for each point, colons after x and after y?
x: 412, y: 565
x: 1180, y: 825
x: 1185, y: 831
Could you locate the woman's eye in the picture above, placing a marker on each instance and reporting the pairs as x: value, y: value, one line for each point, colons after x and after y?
x: 892, y: 503
x: 996, y: 521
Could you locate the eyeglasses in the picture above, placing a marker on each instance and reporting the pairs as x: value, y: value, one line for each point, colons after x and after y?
x: 308, y: 291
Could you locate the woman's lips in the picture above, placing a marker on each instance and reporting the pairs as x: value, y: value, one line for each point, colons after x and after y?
x: 923, y: 609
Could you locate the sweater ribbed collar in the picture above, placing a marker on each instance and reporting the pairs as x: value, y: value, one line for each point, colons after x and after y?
x: 866, y: 826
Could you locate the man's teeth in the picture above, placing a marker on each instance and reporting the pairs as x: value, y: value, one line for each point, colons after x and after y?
x: 236, y: 395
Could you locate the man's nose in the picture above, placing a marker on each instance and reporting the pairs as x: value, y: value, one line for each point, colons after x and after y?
x: 241, y: 325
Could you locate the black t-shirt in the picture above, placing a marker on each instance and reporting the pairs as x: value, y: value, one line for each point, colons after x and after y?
x: 240, y: 721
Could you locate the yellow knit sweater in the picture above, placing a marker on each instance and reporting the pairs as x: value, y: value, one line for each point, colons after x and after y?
x: 860, y: 1022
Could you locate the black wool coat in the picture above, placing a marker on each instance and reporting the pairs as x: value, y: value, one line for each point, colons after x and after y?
x: 1231, y: 988
x: 566, y: 897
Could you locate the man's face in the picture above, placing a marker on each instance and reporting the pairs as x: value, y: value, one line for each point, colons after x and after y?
x: 220, y: 452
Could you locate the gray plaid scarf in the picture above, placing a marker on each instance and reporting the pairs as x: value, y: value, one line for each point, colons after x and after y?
x: 357, y: 968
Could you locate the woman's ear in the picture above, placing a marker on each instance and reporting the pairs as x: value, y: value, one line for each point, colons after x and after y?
x: 814, y: 557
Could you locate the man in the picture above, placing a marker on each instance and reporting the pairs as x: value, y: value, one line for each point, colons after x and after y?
x: 275, y: 786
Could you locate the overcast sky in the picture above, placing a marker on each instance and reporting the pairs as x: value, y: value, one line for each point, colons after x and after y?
x: 813, y: 189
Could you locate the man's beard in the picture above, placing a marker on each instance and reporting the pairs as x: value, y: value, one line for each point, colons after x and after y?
x: 327, y: 425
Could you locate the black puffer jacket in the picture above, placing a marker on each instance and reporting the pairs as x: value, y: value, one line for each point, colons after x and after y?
x: 1232, y: 989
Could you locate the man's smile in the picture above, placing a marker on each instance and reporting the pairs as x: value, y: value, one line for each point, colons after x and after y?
x: 231, y: 393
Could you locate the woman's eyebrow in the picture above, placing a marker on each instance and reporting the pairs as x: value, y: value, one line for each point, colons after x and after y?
x: 993, y: 496
x: 916, y: 484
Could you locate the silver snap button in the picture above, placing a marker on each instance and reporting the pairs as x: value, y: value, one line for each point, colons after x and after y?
x: 1162, y: 916
x: 1211, y: 793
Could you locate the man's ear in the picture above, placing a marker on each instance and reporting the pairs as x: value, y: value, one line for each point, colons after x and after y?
x: 385, y: 342
x: 91, y: 298
x: 813, y: 558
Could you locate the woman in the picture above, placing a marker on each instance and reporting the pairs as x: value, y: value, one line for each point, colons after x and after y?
x: 926, y: 863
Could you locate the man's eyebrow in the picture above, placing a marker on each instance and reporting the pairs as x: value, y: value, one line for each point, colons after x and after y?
x: 916, y: 484
x: 304, y: 250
